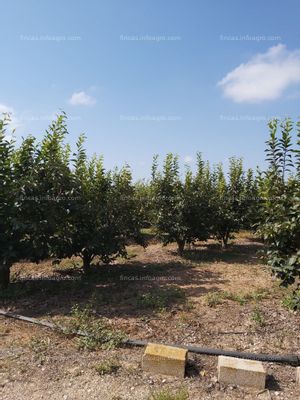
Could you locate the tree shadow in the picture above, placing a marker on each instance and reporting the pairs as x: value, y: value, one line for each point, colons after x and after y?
x: 120, y: 290
x: 234, y: 254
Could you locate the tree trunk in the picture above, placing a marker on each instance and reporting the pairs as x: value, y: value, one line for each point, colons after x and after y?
x: 4, y: 276
x: 225, y: 239
x: 180, y: 244
x: 86, y: 258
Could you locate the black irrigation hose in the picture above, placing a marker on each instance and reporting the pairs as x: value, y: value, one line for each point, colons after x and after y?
x: 293, y: 360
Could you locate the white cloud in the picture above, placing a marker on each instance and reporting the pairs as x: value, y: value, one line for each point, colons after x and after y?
x: 188, y: 160
x: 6, y: 109
x: 81, y: 99
x: 264, y: 77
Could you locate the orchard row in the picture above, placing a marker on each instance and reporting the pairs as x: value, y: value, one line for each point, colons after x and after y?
x: 57, y: 204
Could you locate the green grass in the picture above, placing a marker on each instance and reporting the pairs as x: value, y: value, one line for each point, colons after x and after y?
x: 166, y: 394
x: 68, y: 264
x: 107, y: 367
x: 292, y: 301
x: 215, y: 298
x: 258, y: 317
x: 149, y: 232
x: 159, y: 298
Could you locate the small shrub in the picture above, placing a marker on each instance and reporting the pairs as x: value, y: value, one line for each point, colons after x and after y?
x: 107, y: 367
x: 99, y: 335
x: 257, y: 317
x: 166, y: 394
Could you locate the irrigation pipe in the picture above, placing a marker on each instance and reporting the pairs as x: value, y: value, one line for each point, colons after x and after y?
x: 293, y: 360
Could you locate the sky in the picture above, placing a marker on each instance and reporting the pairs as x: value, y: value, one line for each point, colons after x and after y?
x: 150, y: 77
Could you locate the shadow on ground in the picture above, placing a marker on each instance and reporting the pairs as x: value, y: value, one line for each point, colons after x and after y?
x: 134, y: 288
x: 234, y: 254
x: 272, y: 383
x: 120, y: 290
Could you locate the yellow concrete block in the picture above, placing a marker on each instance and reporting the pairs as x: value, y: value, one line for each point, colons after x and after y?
x: 165, y: 360
x: 237, y: 371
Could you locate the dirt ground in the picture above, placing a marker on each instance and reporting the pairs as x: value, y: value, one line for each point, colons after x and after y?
x: 209, y: 297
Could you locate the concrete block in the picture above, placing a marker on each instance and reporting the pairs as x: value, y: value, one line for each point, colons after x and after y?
x: 237, y: 371
x: 298, y: 376
x: 165, y: 360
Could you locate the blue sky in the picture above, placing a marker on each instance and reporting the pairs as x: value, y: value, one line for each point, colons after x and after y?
x: 144, y: 77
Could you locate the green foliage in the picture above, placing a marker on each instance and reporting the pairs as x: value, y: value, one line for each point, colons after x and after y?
x: 233, y: 200
x: 8, y: 225
x: 106, y: 215
x: 182, y: 208
x: 203, y: 204
x: 44, y: 192
x: 167, y: 394
x: 37, y: 183
x: 143, y: 195
x: 50, y: 208
x: 169, y: 203
x: 280, y: 209
x: 55, y: 206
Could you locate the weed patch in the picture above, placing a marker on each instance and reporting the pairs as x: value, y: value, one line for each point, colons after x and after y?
x: 215, y: 298
x: 159, y: 299
x: 258, y: 317
x: 99, y: 334
x: 39, y: 347
x: 107, y: 367
x: 166, y: 394
x: 292, y: 301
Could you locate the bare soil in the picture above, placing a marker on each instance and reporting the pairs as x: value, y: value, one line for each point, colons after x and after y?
x: 229, y: 301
